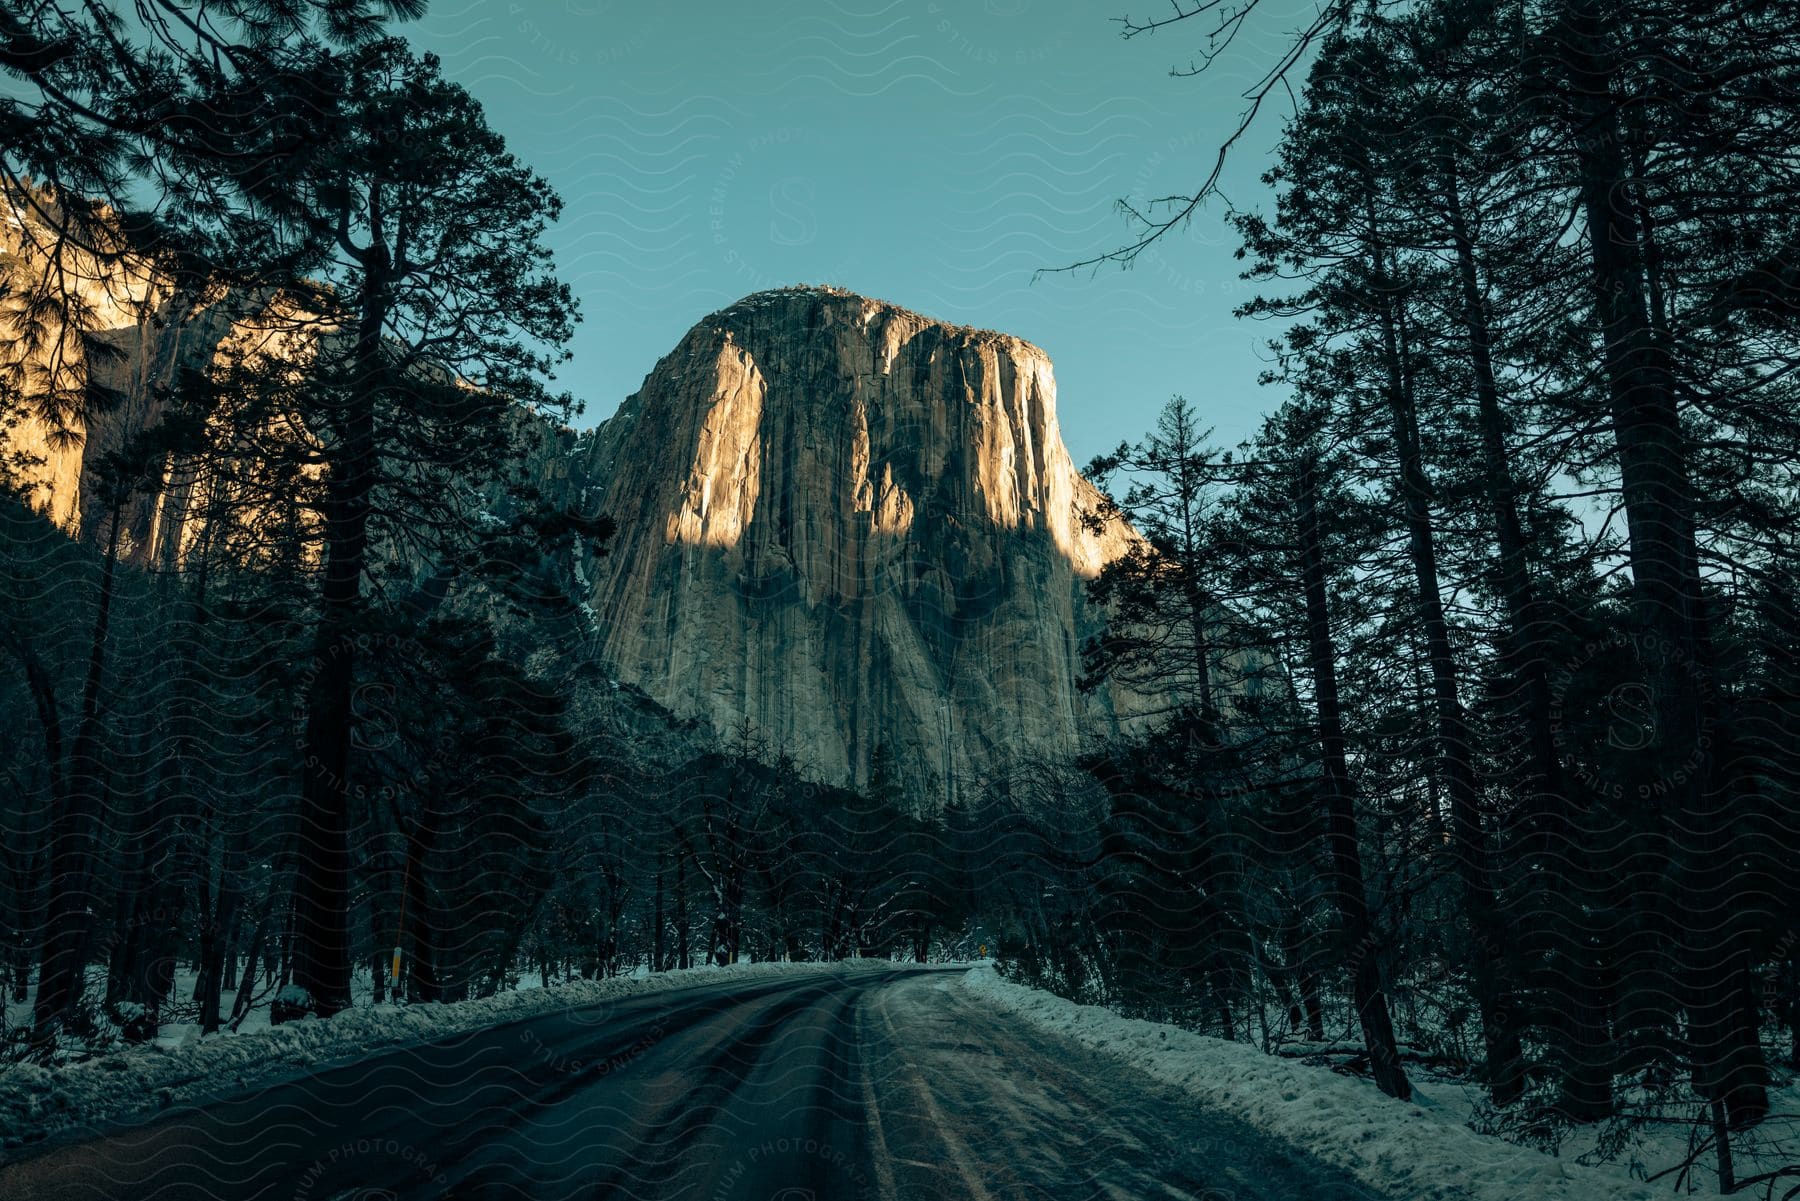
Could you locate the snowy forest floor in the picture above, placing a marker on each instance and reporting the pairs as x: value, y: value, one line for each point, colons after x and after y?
x: 1425, y: 1148
x: 37, y: 1102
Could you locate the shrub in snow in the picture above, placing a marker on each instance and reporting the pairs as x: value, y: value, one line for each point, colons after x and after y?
x: 291, y: 1004
x: 136, y: 1023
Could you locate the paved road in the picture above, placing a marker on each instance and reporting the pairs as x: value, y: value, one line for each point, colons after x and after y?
x: 827, y: 1086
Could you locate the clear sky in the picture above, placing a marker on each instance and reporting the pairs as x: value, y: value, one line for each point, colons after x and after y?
x: 934, y: 153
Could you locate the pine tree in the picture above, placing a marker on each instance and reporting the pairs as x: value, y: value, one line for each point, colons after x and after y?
x: 432, y: 320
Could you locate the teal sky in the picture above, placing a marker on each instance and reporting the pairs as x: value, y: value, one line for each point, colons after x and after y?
x: 934, y: 153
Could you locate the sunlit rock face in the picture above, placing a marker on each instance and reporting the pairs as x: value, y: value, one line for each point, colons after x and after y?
x: 845, y: 525
x: 54, y: 295
x: 91, y: 340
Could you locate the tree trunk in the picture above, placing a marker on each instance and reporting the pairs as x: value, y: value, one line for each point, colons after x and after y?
x: 1499, y: 1011
x: 422, y: 982
x: 657, y: 962
x: 246, y: 992
x: 1574, y: 979
x: 683, y: 955
x: 1690, y: 770
x: 75, y: 828
x: 379, y: 956
x: 1190, y: 492
x: 1791, y: 1006
x: 152, y: 894
x: 1306, y: 977
x: 322, y: 882
x: 130, y: 903
x: 216, y: 956
x: 1340, y: 803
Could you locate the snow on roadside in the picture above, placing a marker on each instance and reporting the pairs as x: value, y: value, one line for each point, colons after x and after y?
x: 36, y: 1102
x: 1402, y: 1150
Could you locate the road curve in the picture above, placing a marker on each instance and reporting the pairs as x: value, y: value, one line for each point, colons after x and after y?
x: 815, y: 1086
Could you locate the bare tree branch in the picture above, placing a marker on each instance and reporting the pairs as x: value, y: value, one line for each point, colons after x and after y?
x: 1331, y: 15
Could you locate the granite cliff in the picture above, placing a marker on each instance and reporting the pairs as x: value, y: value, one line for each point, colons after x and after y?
x: 850, y: 526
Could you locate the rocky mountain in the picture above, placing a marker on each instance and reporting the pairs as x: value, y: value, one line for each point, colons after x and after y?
x: 843, y: 525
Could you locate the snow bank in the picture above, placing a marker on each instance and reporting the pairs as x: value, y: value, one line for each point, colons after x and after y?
x: 1410, y: 1150
x: 36, y: 1102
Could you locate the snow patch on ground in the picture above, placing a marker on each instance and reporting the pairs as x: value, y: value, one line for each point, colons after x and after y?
x: 1417, y: 1149
x: 36, y: 1101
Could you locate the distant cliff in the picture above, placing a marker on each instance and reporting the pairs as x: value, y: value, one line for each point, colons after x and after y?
x: 848, y: 526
